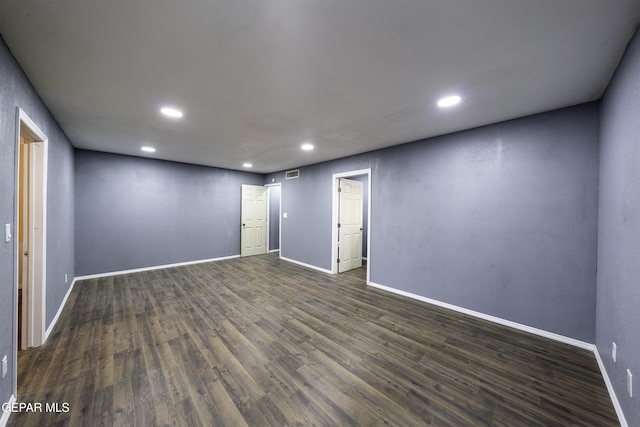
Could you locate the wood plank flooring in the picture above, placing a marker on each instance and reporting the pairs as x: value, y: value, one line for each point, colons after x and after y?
x: 261, y: 342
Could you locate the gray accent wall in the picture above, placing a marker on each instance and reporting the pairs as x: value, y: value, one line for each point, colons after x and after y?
x: 134, y: 212
x: 618, y: 309
x: 500, y: 219
x: 16, y: 91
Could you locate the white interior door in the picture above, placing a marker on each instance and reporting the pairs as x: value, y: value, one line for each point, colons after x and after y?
x: 350, y: 225
x: 24, y: 238
x: 253, y: 232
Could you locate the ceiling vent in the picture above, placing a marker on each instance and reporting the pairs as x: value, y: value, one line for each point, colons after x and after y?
x: 292, y: 174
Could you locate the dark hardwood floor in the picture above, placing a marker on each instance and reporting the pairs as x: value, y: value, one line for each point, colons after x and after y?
x: 258, y: 341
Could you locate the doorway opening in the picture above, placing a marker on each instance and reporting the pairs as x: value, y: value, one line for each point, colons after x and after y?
x: 351, y: 236
x: 274, y: 196
x: 30, y: 241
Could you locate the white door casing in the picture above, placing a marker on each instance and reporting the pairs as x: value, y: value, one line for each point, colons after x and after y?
x: 350, y: 225
x: 253, y: 229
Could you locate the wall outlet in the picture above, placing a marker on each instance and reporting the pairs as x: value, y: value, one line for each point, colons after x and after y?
x: 5, y: 366
x: 66, y: 279
x: 614, y: 349
x: 630, y: 383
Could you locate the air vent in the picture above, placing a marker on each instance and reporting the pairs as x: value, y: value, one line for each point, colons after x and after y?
x: 292, y: 174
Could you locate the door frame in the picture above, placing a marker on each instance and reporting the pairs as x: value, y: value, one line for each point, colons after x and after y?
x: 269, y: 186
x: 37, y: 283
x: 335, y: 182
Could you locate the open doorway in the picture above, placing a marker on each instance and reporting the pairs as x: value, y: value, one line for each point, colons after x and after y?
x: 274, y: 193
x: 362, y: 208
x: 30, y: 242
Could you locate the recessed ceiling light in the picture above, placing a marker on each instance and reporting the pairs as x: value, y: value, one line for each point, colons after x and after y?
x: 171, y: 112
x: 148, y: 149
x: 449, y: 101
x: 247, y: 165
x: 307, y: 146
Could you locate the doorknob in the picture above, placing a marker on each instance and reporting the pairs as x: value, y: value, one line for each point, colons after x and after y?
x: 244, y: 225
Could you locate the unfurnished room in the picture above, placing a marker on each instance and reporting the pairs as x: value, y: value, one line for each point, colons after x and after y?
x: 320, y: 213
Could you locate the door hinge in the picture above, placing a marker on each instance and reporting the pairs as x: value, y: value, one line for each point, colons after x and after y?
x: 338, y: 260
x: 339, y: 190
x: 338, y: 225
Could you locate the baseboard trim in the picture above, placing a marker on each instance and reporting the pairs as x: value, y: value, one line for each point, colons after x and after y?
x: 612, y: 392
x: 55, y: 319
x: 155, y: 267
x: 274, y: 250
x: 4, y: 419
x: 498, y: 320
x: 313, y: 267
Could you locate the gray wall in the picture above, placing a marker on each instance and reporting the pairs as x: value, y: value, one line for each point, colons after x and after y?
x: 134, y: 212
x: 618, y: 310
x: 500, y: 219
x: 16, y: 91
x: 274, y: 218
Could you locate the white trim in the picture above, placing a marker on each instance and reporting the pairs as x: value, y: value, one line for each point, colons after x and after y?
x: 612, y: 392
x: 55, y: 319
x: 155, y: 267
x: 274, y: 250
x: 4, y: 419
x: 335, y: 196
x: 303, y: 264
x: 498, y: 320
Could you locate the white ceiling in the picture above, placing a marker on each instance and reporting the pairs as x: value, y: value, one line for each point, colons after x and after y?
x: 256, y: 78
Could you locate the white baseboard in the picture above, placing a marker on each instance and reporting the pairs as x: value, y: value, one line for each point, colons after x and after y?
x: 324, y: 270
x: 155, y: 267
x: 612, y: 392
x: 498, y: 320
x: 274, y: 250
x: 4, y: 419
x: 55, y: 319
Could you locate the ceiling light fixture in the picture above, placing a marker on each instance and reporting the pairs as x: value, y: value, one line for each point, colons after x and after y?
x: 307, y: 146
x: 148, y: 149
x: 449, y: 101
x: 247, y: 165
x: 171, y: 112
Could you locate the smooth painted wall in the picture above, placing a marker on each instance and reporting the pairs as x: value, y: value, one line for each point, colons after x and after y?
x: 618, y: 308
x: 134, y: 212
x: 500, y: 219
x: 16, y: 91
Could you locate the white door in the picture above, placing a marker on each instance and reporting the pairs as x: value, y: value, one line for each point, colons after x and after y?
x: 24, y: 238
x: 350, y: 225
x: 253, y: 232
